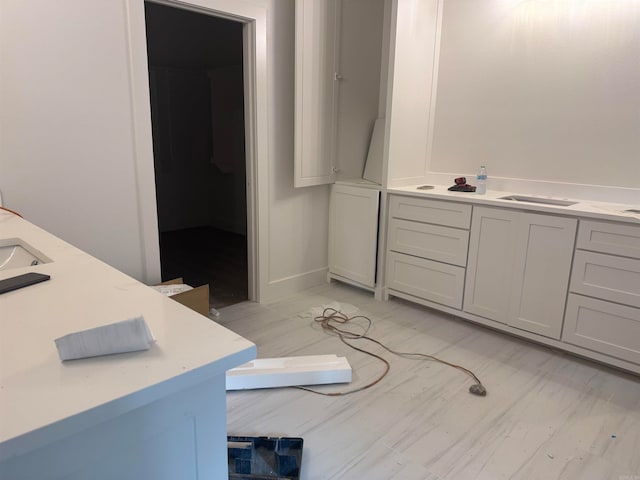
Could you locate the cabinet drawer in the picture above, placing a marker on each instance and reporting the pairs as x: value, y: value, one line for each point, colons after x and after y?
x: 443, y: 244
x: 604, y: 327
x: 611, y: 238
x: 434, y: 281
x: 449, y: 214
x: 607, y: 277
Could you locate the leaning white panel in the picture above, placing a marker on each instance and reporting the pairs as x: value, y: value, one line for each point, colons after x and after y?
x: 289, y: 371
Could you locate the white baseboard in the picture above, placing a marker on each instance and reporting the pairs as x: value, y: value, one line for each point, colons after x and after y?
x: 287, y: 286
x: 340, y: 278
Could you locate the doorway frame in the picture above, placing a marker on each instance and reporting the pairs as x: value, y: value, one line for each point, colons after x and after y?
x: 254, y: 20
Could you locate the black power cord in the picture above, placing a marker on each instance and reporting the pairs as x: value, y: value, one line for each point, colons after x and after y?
x: 332, y: 322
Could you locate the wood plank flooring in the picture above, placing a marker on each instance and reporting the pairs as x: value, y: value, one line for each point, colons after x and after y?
x: 547, y: 415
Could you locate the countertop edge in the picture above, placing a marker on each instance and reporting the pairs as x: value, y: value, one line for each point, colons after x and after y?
x: 582, y: 208
x: 58, y: 430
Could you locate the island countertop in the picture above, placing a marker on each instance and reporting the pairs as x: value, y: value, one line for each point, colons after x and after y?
x: 42, y: 398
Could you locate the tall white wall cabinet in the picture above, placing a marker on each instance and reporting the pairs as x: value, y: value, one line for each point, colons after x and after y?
x: 362, y: 67
x: 338, y: 71
x: 512, y: 266
x: 316, y: 92
x: 338, y: 91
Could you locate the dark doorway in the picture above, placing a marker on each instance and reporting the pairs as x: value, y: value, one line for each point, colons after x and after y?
x: 197, y: 110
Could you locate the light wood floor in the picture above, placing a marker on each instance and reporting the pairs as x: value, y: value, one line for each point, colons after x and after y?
x: 547, y: 415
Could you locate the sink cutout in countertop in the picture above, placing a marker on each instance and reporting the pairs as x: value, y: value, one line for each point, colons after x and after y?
x: 543, y: 201
x: 15, y: 253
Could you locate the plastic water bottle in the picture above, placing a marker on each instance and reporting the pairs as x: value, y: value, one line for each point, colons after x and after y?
x: 481, y: 188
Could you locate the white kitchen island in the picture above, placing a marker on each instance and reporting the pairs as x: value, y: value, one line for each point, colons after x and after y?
x: 155, y: 414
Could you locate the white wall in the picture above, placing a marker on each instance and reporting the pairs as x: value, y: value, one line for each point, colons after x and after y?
x: 411, y: 68
x: 298, y: 218
x: 541, y: 90
x: 67, y: 151
x: 66, y: 142
x: 360, y: 33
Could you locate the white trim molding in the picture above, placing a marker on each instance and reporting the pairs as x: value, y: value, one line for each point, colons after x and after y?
x: 254, y: 18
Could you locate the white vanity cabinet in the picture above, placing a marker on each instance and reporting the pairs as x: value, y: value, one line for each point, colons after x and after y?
x: 603, y: 308
x: 566, y: 278
x: 427, y: 249
x: 518, y: 269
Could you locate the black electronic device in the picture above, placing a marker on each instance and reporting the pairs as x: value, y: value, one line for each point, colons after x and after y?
x: 20, y: 281
x: 264, y: 458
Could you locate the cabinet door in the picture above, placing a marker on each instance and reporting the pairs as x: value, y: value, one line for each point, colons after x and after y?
x: 353, y: 233
x: 541, y: 273
x: 491, y: 256
x: 315, y: 92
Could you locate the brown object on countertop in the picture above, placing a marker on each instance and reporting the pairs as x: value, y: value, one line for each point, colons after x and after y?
x: 461, y: 185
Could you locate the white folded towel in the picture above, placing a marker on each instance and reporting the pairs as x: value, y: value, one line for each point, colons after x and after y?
x: 125, y: 336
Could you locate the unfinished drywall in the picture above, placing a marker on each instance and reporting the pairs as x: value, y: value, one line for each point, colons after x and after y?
x: 543, y: 90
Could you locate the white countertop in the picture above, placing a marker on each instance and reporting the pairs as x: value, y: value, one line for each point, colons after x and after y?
x: 582, y: 208
x: 39, y: 393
